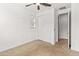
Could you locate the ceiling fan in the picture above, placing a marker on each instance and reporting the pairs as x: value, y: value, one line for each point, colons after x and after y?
x: 38, y: 5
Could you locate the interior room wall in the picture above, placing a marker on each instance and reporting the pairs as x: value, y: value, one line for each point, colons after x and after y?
x: 59, y: 5
x: 55, y: 25
x: 75, y: 26
x: 15, y: 25
x: 46, y: 25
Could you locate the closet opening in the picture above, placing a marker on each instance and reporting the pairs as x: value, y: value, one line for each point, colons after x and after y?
x: 64, y: 30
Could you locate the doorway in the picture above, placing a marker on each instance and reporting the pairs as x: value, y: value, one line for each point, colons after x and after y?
x: 64, y: 32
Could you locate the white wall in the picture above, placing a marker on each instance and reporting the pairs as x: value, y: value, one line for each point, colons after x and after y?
x: 59, y: 5
x: 63, y: 26
x: 15, y: 25
x: 46, y: 25
x: 75, y: 26
x: 55, y: 25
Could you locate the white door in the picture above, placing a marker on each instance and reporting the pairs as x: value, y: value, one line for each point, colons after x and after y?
x: 46, y: 25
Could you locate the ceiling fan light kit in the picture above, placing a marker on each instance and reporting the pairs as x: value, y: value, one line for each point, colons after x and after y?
x: 38, y: 5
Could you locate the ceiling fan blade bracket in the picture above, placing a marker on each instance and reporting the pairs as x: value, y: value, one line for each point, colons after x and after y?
x: 38, y: 7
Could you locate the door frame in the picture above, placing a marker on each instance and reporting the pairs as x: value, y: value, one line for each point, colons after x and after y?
x: 69, y: 26
x: 69, y: 29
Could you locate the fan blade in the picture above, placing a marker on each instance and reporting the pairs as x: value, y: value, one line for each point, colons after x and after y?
x: 38, y: 7
x: 30, y: 4
x: 45, y: 4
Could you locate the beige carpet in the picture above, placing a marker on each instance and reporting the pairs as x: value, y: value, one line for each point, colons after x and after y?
x: 38, y: 48
x: 62, y: 43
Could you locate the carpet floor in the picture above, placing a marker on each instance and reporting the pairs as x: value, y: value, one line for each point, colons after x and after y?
x: 40, y: 48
